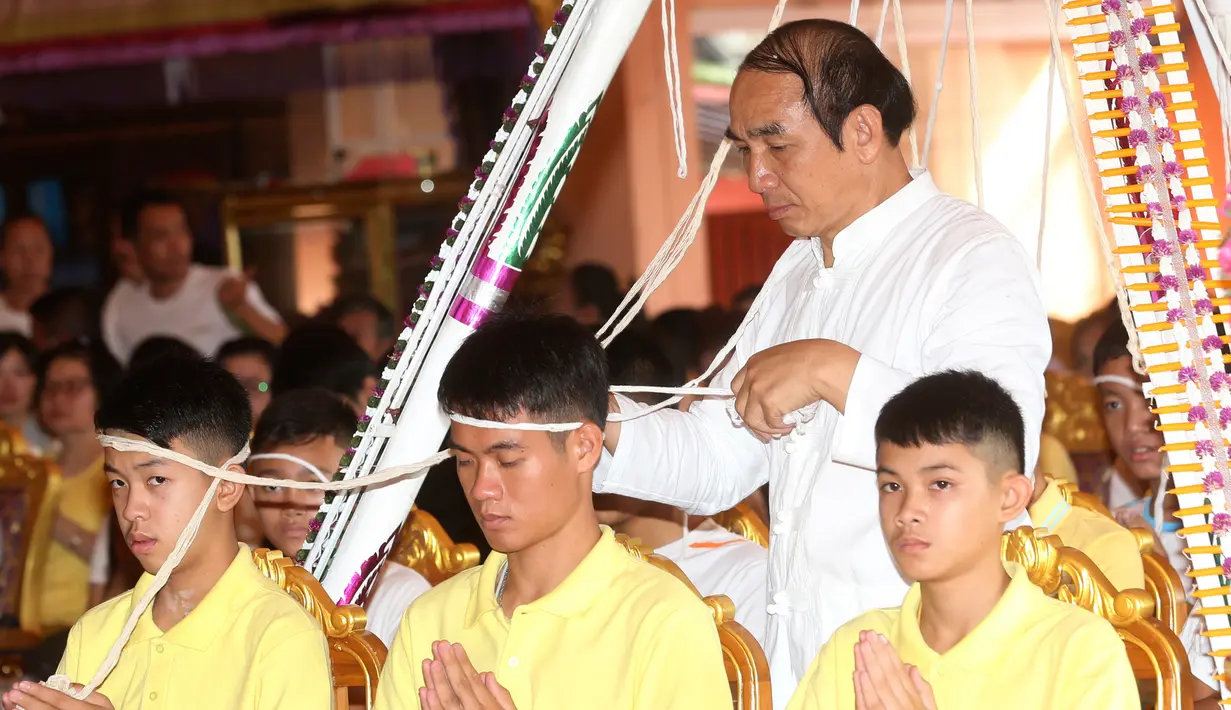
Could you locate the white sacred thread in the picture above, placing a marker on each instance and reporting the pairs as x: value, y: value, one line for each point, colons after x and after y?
x: 1119, y: 380
x: 293, y: 459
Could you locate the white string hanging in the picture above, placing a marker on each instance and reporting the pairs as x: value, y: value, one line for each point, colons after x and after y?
x: 975, y: 141
x: 854, y: 16
x: 880, y: 29
x: 899, y: 30
x: 1083, y: 163
x: 671, y: 60
x: 1051, y: 91
x: 1222, y: 86
x: 940, y: 82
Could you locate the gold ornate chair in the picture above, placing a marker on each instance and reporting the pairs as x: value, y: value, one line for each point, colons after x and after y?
x: 746, y: 665
x: 29, y: 494
x: 424, y: 547
x: 1162, y: 582
x: 355, y: 654
x: 1068, y: 575
x: 743, y: 521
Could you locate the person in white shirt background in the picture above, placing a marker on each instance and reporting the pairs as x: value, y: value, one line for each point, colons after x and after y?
x: 204, y: 306
x: 887, y: 279
x: 25, y: 260
x: 714, y: 559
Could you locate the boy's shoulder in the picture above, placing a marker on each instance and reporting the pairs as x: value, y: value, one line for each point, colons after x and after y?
x: 111, y: 614
x: 451, y: 595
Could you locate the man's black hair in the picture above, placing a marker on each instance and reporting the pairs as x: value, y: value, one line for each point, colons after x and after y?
x: 956, y: 407
x: 634, y: 358
x: 67, y: 314
x: 23, y: 346
x: 18, y: 217
x: 321, y: 355
x: 248, y: 345
x: 596, y: 285
x: 841, y: 69
x: 161, y: 347
x: 105, y: 372
x: 549, y: 367
x: 1113, y: 343
x: 346, y: 305
x: 194, y: 401
x: 130, y: 216
x: 302, y: 416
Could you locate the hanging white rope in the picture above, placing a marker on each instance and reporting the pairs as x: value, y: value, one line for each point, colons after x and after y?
x: 899, y: 30
x: 880, y: 29
x: 1222, y: 86
x: 854, y: 16
x: 1096, y: 208
x: 1051, y: 86
x: 976, y: 142
x: 940, y: 82
x: 671, y: 62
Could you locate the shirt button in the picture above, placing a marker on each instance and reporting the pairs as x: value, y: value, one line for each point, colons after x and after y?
x: 158, y: 648
x: 154, y: 695
x: 513, y: 662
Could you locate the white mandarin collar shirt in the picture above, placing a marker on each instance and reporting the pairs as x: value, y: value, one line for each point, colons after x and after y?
x: 923, y: 282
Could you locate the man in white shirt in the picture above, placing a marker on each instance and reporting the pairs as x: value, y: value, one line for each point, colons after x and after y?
x: 888, y: 279
x: 25, y: 259
x: 204, y: 306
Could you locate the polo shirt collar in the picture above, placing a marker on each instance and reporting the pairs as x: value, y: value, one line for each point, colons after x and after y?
x: 580, y: 589
x: 1051, y: 508
x: 871, y: 228
x: 204, y: 623
x: 994, y: 637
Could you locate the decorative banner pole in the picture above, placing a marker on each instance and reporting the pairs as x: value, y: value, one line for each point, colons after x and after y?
x: 1157, y: 191
x: 491, y: 237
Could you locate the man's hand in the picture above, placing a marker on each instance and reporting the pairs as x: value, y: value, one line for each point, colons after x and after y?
x: 452, y: 683
x: 32, y: 696
x: 233, y: 292
x: 790, y: 376
x: 883, y: 682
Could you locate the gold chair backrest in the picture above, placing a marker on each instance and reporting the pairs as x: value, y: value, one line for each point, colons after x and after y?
x: 423, y: 546
x: 29, y: 496
x: 356, y: 655
x: 1162, y: 581
x: 743, y: 520
x: 1068, y: 575
x: 745, y: 662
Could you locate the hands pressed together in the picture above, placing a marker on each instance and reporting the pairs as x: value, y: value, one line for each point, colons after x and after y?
x: 790, y: 376
x: 32, y: 696
x: 452, y: 683
x: 883, y: 681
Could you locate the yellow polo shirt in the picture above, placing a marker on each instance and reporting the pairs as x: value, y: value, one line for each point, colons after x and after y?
x: 617, y: 634
x: 1030, y: 653
x: 1111, y: 547
x: 247, y: 646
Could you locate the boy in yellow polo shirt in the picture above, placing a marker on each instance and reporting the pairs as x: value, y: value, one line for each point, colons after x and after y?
x: 972, y: 633
x: 1109, y: 545
x: 560, y: 616
x: 219, y: 634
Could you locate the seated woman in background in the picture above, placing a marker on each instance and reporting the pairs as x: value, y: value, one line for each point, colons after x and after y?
x: 17, y: 381
x: 73, y: 381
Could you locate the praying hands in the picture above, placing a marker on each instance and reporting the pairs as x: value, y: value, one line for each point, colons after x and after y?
x: 883, y: 682
x: 452, y: 683
x: 32, y: 696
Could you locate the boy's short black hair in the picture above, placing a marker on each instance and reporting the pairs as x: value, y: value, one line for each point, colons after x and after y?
x: 1112, y: 344
x: 161, y: 347
x: 194, y: 401
x: 248, y: 345
x: 549, y: 367
x: 67, y: 313
x: 321, y: 355
x: 957, y: 407
x: 302, y: 416
x: 23, y: 346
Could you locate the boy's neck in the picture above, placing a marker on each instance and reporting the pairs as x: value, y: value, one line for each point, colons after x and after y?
x: 950, y: 609
x: 190, y: 583
x: 536, y: 571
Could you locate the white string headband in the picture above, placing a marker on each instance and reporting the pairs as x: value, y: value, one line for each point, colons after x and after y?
x: 320, y: 475
x: 189, y: 534
x: 1119, y: 380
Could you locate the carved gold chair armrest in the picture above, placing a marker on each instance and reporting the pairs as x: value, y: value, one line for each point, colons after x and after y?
x: 356, y: 655
x: 743, y: 521
x: 1068, y: 575
x: 423, y: 546
x: 744, y: 659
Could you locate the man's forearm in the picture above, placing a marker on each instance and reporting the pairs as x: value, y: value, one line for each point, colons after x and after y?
x: 261, y: 325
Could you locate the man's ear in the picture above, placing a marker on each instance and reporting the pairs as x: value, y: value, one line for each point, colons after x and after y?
x: 229, y: 493
x: 1016, y: 492
x: 589, y: 447
x: 863, y: 134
